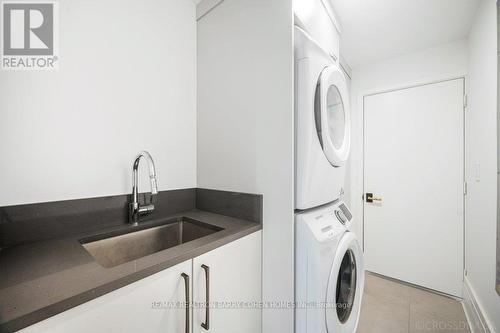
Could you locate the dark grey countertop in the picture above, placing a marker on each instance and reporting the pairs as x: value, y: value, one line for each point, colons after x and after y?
x: 41, y: 279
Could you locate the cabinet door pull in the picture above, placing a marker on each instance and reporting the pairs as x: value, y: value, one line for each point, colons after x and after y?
x: 186, y: 284
x: 206, y: 324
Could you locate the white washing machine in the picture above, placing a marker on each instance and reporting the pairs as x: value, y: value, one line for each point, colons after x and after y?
x: 322, y: 134
x: 329, y: 271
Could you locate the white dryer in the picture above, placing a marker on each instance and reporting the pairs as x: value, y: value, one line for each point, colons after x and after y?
x: 329, y: 271
x: 322, y: 134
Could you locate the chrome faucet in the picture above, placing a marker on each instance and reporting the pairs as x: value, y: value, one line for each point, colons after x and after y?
x: 136, y: 210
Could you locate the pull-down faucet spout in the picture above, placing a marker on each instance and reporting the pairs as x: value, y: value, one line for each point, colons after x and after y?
x: 136, y: 210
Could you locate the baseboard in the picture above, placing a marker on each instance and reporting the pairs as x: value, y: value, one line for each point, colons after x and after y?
x: 472, y: 309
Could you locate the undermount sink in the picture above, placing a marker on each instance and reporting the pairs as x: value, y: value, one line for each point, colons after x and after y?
x: 118, y: 249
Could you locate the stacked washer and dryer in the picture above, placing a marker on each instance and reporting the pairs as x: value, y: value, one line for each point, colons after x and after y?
x: 329, y: 269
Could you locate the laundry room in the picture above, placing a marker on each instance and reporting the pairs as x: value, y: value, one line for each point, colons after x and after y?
x: 249, y: 166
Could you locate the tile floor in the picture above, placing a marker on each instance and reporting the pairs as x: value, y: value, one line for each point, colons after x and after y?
x: 392, y: 307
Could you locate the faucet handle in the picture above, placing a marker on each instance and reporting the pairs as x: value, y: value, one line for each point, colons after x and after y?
x: 147, y: 209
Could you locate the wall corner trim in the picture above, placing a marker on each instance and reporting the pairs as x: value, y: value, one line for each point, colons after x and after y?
x: 473, y: 310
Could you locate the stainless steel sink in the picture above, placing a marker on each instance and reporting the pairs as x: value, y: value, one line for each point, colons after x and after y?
x: 110, y: 251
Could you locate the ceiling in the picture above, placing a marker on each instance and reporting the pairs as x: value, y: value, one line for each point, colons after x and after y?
x: 374, y: 30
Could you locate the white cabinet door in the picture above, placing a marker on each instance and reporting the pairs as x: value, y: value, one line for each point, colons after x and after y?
x: 234, y: 282
x: 143, y: 306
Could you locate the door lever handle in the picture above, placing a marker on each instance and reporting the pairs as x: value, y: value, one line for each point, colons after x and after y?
x: 370, y: 198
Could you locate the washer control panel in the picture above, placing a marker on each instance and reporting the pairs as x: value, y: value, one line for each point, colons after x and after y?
x: 326, y: 222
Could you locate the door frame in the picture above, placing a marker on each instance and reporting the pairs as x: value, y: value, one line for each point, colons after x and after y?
x: 464, y: 133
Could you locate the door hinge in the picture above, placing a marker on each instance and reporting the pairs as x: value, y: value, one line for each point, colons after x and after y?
x: 465, y: 188
x: 465, y: 101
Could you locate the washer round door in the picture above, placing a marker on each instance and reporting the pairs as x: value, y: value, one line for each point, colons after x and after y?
x: 332, y: 115
x: 345, y: 286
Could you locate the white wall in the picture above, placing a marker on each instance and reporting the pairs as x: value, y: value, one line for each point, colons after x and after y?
x: 446, y: 61
x: 482, y: 154
x: 127, y: 82
x: 245, y: 126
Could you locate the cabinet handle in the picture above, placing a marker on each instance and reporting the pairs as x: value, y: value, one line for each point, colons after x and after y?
x: 206, y: 324
x: 186, y: 284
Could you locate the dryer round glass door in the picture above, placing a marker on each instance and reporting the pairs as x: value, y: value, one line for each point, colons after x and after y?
x: 331, y: 108
x: 345, y: 286
x: 336, y: 116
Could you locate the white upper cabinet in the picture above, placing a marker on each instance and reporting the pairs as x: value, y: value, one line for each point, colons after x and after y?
x: 318, y: 20
x: 234, y: 285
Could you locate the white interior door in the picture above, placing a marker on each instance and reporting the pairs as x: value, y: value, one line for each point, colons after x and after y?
x: 414, y: 163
